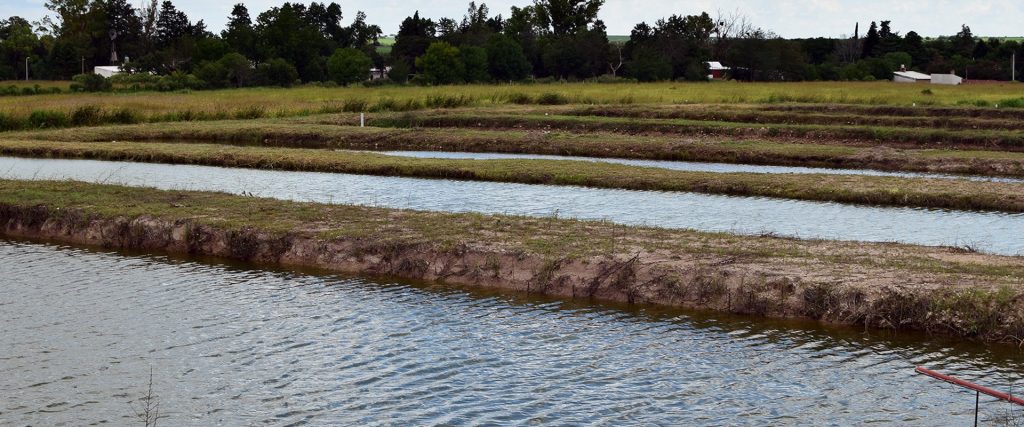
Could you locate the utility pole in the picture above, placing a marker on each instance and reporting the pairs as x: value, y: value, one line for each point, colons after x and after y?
x: 26, y: 68
x: 83, y: 65
x: 1013, y: 67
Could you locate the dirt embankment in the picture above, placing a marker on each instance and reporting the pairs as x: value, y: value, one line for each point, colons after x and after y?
x: 833, y: 291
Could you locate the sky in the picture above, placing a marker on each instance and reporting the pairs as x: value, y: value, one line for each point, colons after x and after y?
x: 788, y: 18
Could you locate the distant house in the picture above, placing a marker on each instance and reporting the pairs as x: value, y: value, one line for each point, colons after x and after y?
x: 107, y: 71
x: 947, y: 79
x: 377, y: 73
x: 716, y: 70
x: 911, y: 77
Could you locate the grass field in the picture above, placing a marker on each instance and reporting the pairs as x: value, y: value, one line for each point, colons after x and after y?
x: 311, y: 100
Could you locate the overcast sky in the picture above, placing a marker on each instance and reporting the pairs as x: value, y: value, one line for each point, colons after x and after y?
x: 789, y: 18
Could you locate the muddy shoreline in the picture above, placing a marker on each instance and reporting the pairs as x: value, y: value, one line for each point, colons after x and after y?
x: 882, y: 297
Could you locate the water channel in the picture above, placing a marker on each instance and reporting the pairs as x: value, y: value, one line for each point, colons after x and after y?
x: 229, y: 344
x: 987, y: 231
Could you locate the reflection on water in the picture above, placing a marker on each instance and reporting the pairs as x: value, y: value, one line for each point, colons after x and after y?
x: 694, y: 166
x: 993, y: 232
x: 234, y: 346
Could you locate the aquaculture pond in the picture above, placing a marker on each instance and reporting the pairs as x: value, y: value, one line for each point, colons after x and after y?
x: 694, y: 166
x: 227, y: 344
x: 987, y: 231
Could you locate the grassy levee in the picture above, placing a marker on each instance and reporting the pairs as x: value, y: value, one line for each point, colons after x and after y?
x: 868, y: 190
x: 751, y: 114
x: 59, y: 110
x: 306, y: 133
x: 865, y: 135
x: 894, y: 286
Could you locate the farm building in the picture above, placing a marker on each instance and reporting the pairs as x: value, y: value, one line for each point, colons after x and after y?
x: 716, y: 70
x: 947, y: 79
x: 911, y: 77
x: 107, y: 71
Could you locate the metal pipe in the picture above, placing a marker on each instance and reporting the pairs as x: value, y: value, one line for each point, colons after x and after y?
x: 969, y: 385
x: 26, y: 68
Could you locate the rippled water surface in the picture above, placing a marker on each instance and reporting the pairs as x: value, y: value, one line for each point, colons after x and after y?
x: 993, y: 232
x: 693, y: 166
x: 80, y: 331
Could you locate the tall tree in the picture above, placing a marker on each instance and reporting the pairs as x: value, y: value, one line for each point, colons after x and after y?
x: 871, y: 41
x: 566, y: 17
x: 239, y: 32
x: 414, y: 37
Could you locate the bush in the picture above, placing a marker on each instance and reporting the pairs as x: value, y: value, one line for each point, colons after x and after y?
x: 179, y: 81
x: 47, y: 119
x: 213, y: 74
x: 442, y: 64
x: 348, y: 65
x: 91, y: 83
x: 506, y: 60
x: 475, y: 61
x: 399, y: 72
x: 276, y: 72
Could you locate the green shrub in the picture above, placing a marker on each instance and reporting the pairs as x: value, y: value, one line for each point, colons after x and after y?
x: 91, y: 83
x: 349, y: 65
x: 276, y: 72
x: 47, y: 119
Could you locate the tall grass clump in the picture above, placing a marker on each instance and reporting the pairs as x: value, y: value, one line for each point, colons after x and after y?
x: 355, y: 105
x: 87, y: 115
x: 123, y: 116
x: 9, y: 122
x: 253, y: 112
x: 448, y: 101
x: 1012, y: 103
x: 552, y: 98
x: 519, y: 98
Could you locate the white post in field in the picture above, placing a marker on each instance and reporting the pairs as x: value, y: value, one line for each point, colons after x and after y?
x: 362, y: 119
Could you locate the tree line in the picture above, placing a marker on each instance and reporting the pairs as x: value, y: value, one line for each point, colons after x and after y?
x: 547, y: 40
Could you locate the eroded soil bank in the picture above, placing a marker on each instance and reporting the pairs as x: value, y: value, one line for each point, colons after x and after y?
x: 944, y: 290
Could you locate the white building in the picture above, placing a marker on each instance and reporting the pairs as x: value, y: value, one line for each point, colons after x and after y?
x: 107, y: 71
x: 716, y: 70
x: 947, y: 79
x: 911, y: 77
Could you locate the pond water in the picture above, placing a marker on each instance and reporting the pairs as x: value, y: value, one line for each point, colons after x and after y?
x: 694, y: 166
x: 80, y: 331
x: 987, y: 231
